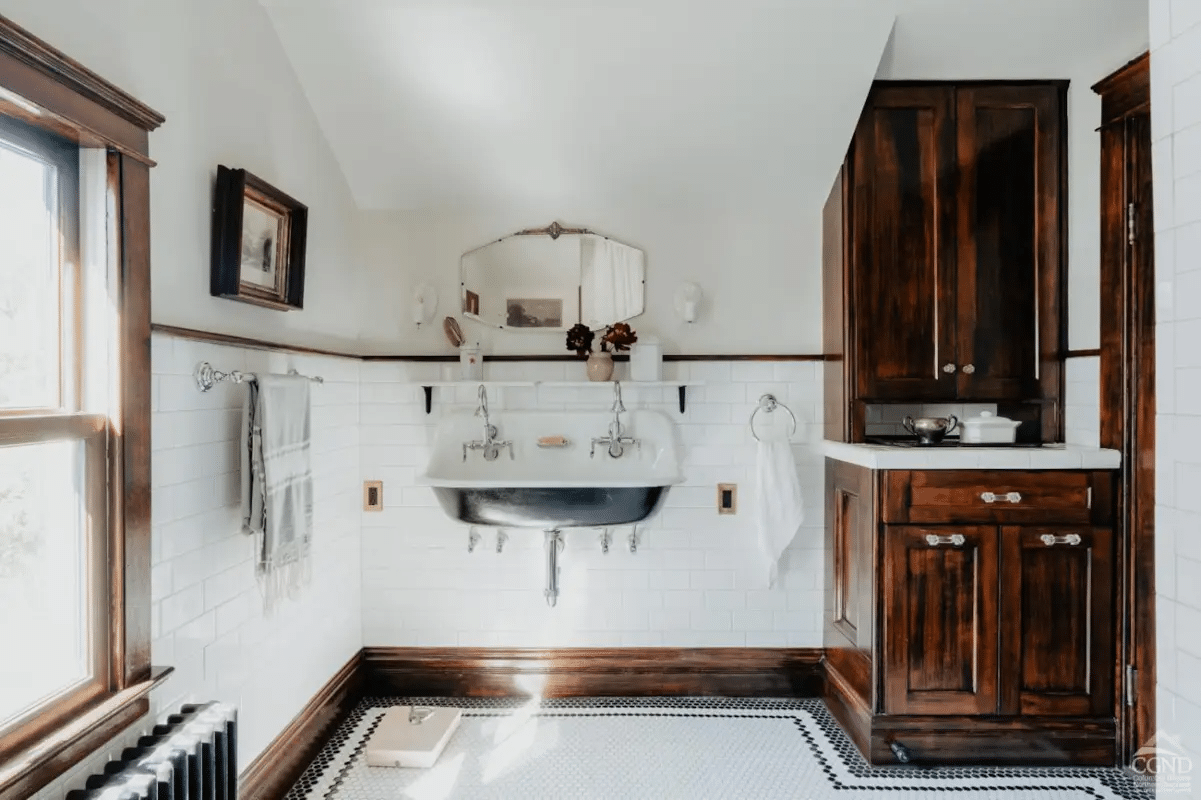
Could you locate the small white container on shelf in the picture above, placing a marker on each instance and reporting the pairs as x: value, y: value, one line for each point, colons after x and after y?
x: 471, y: 366
x: 988, y: 429
x: 646, y: 360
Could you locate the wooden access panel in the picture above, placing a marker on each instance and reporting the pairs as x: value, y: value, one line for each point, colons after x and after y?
x: 1057, y: 621
x: 940, y: 620
x: 903, y: 256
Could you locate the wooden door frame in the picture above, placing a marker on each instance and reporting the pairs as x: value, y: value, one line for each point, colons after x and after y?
x: 1127, y: 384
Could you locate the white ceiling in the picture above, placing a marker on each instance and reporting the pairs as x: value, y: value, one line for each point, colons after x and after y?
x: 470, y: 105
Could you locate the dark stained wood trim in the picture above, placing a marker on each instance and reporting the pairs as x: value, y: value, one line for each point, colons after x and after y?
x: 26, y: 772
x: 19, y: 44
x: 50, y: 90
x: 593, y: 672
x: 1127, y: 391
x: 134, y: 436
x: 1126, y: 92
x: 1083, y: 353
x: 617, y: 357
x: 270, y: 775
x: 232, y: 340
x: 1003, y: 741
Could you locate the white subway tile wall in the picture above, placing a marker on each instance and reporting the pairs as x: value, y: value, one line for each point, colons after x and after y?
x: 207, y: 615
x: 1176, y: 154
x: 695, y: 580
x: 208, y: 618
x: 1082, y: 401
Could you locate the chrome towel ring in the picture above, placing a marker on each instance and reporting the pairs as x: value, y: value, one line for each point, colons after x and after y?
x: 769, y: 403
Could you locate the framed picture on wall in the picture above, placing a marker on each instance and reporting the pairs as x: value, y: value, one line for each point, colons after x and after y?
x: 258, y: 242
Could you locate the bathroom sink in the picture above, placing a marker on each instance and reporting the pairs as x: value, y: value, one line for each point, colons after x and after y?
x: 568, y: 485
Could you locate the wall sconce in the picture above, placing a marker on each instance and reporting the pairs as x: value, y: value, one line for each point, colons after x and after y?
x: 425, y: 303
x: 688, y: 300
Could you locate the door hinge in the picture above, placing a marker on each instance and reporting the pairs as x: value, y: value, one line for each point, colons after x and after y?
x: 1131, y: 684
x: 1130, y: 215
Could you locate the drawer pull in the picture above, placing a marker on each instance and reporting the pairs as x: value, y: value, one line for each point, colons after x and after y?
x: 992, y: 497
x: 955, y: 538
x: 1050, y: 541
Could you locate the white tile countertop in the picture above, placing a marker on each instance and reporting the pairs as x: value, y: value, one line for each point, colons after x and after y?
x: 1048, y: 456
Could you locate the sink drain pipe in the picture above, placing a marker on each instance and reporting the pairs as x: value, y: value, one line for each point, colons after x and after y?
x: 554, y: 543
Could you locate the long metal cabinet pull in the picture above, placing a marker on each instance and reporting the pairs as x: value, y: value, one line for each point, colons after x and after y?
x: 955, y: 538
x: 992, y: 497
x: 1050, y: 540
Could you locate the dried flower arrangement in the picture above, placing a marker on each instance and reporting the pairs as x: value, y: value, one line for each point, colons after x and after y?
x: 616, y: 338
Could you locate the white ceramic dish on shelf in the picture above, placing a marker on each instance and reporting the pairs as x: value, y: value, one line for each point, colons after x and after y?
x: 988, y: 428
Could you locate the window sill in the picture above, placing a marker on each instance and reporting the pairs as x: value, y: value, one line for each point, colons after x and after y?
x: 38, y: 765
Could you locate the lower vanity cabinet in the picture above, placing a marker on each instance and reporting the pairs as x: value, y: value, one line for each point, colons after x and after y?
x: 992, y: 597
x: 997, y: 620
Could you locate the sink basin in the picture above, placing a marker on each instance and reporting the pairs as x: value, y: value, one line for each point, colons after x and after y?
x: 553, y: 487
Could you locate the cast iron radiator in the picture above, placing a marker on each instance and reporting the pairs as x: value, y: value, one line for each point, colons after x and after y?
x: 190, y: 756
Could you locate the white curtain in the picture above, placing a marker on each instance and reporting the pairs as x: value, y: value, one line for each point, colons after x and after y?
x: 611, y: 279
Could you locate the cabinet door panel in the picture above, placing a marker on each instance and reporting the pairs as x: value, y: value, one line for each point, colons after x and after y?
x: 1008, y: 235
x: 903, y: 259
x: 1057, y: 628
x: 940, y: 620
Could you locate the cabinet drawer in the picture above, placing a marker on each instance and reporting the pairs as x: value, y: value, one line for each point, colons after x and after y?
x: 1002, y: 496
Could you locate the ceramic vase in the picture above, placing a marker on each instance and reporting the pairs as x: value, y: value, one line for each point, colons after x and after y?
x: 600, y: 366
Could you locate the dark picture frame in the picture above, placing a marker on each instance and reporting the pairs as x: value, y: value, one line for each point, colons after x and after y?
x: 259, y: 236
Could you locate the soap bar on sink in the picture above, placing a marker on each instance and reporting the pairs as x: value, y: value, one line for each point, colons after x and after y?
x: 553, y: 441
x: 411, y: 736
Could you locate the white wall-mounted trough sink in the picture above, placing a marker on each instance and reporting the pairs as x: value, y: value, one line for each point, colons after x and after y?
x: 551, y: 488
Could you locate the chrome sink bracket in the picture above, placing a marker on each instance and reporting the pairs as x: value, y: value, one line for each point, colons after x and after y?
x: 633, y: 537
x: 554, y: 543
x: 606, y: 539
x: 501, y: 538
x: 473, y: 539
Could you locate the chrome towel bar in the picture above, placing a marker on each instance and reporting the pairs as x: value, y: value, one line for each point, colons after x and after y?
x: 207, y: 377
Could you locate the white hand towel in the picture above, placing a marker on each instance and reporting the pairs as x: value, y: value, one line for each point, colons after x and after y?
x: 779, y: 511
x: 277, y: 483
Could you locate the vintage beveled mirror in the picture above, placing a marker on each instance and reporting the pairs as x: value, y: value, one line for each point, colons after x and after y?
x: 548, y: 279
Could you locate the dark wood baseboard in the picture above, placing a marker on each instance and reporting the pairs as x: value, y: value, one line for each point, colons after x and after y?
x: 848, y: 708
x: 1000, y: 741
x: 594, y: 672
x: 279, y: 766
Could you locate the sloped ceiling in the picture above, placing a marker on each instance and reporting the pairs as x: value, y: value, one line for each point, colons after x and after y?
x: 466, y: 105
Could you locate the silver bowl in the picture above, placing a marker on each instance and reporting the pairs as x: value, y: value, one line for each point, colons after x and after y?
x: 930, y: 430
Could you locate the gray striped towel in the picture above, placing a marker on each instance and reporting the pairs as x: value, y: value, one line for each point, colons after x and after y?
x: 277, y: 483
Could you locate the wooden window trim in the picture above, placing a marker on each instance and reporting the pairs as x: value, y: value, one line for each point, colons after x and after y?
x: 49, y: 90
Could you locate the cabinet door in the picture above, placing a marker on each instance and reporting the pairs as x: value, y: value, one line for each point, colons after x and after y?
x: 1008, y: 239
x: 902, y: 258
x: 1057, y: 611
x: 940, y: 620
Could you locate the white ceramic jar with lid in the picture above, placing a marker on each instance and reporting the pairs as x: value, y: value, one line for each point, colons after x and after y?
x: 988, y: 428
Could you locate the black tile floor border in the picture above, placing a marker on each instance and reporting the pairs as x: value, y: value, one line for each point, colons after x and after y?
x: 984, y: 778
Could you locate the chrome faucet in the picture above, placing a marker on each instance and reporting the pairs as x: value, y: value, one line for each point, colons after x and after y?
x: 616, y: 441
x: 489, y: 444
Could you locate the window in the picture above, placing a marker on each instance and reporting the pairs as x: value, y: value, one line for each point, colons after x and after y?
x: 74, y: 411
x: 54, y: 585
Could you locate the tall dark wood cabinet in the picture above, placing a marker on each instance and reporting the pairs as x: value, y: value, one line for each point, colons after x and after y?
x: 952, y: 272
